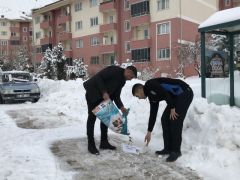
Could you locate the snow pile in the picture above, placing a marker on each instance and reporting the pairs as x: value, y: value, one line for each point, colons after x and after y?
x: 211, y: 135
x: 223, y: 16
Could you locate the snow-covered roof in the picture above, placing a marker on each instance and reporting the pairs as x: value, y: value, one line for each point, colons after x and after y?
x: 221, y: 17
x: 20, y: 9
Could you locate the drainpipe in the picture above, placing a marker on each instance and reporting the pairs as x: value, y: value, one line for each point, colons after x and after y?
x: 180, y: 10
x: 231, y: 70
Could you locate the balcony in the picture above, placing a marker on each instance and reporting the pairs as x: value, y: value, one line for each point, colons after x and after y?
x: 45, y: 24
x: 107, y: 5
x: 138, y: 20
x: 68, y: 53
x: 138, y: 44
x: 46, y: 40
x: 104, y: 49
x: 64, y: 36
x: 16, y: 38
x: 108, y: 27
x: 14, y: 29
x: 63, y: 19
x: 133, y: 1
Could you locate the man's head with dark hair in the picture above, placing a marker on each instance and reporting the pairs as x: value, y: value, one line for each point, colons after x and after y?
x: 137, y: 91
x: 130, y: 72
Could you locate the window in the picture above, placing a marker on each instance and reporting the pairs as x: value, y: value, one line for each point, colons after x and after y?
x: 139, y: 9
x: 141, y: 55
x: 126, y: 4
x: 38, y: 50
x: 30, y: 33
x: 110, y: 19
x: 227, y: 2
x: 78, y: 25
x: 93, y: 3
x: 94, y: 21
x: 95, y: 60
x: 37, y: 20
x: 4, y: 33
x: 127, y: 47
x: 3, y: 43
x: 162, y: 4
x: 13, y: 34
x: 94, y: 41
x: 163, y: 28
x: 163, y: 53
x: 13, y: 24
x: 14, y: 42
x: 3, y: 52
x: 127, y: 26
x: 25, y: 29
x: 46, y: 17
x: 3, y: 23
x: 78, y: 6
x: 38, y: 35
x: 79, y: 43
x: 145, y: 33
x: 24, y: 38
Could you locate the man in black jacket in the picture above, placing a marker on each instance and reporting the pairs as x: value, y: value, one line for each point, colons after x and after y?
x: 178, y: 96
x: 106, y: 84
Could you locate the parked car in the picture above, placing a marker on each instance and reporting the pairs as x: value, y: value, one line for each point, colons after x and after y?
x: 18, y: 86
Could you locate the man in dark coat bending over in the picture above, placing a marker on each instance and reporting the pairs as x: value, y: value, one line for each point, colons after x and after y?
x: 178, y: 96
x: 106, y: 84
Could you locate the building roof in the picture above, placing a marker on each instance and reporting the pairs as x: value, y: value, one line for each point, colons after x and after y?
x: 51, y: 6
x: 20, y: 10
x: 225, y: 20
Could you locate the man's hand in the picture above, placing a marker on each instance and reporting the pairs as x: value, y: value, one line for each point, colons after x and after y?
x: 173, y: 114
x: 148, y: 138
x: 106, y: 96
x: 124, y: 110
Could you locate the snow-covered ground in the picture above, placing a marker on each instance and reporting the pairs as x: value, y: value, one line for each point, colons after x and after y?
x: 35, y: 138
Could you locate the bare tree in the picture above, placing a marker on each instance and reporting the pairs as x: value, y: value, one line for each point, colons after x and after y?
x: 22, y: 60
x: 188, y: 53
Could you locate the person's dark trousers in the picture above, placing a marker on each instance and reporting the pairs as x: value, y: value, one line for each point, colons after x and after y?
x: 91, y: 122
x: 172, y: 129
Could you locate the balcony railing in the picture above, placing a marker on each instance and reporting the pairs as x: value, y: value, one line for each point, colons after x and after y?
x: 108, y: 27
x: 138, y: 20
x: 46, y: 40
x: 63, y: 19
x: 107, y: 5
x: 68, y: 53
x: 108, y: 48
x: 142, y: 43
x: 14, y: 29
x: 45, y: 24
x: 64, y: 36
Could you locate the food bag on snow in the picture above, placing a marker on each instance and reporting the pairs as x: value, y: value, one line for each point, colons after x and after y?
x: 109, y: 114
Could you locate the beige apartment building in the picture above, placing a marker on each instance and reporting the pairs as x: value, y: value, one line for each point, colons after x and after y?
x: 104, y: 31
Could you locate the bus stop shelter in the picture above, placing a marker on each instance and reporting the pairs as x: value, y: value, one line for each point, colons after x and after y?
x: 227, y: 23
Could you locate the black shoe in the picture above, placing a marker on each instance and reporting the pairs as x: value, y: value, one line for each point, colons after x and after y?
x: 173, y: 156
x: 162, y: 152
x: 92, y: 148
x: 106, y: 145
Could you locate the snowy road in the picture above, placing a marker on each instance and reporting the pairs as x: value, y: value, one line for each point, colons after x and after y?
x: 41, y: 143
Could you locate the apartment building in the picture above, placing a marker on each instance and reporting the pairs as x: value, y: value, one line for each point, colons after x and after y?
x: 103, y: 31
x: 15, y: 36
x: 226, y: 4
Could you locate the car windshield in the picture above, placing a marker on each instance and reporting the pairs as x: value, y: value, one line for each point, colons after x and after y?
x: 16, y: 77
